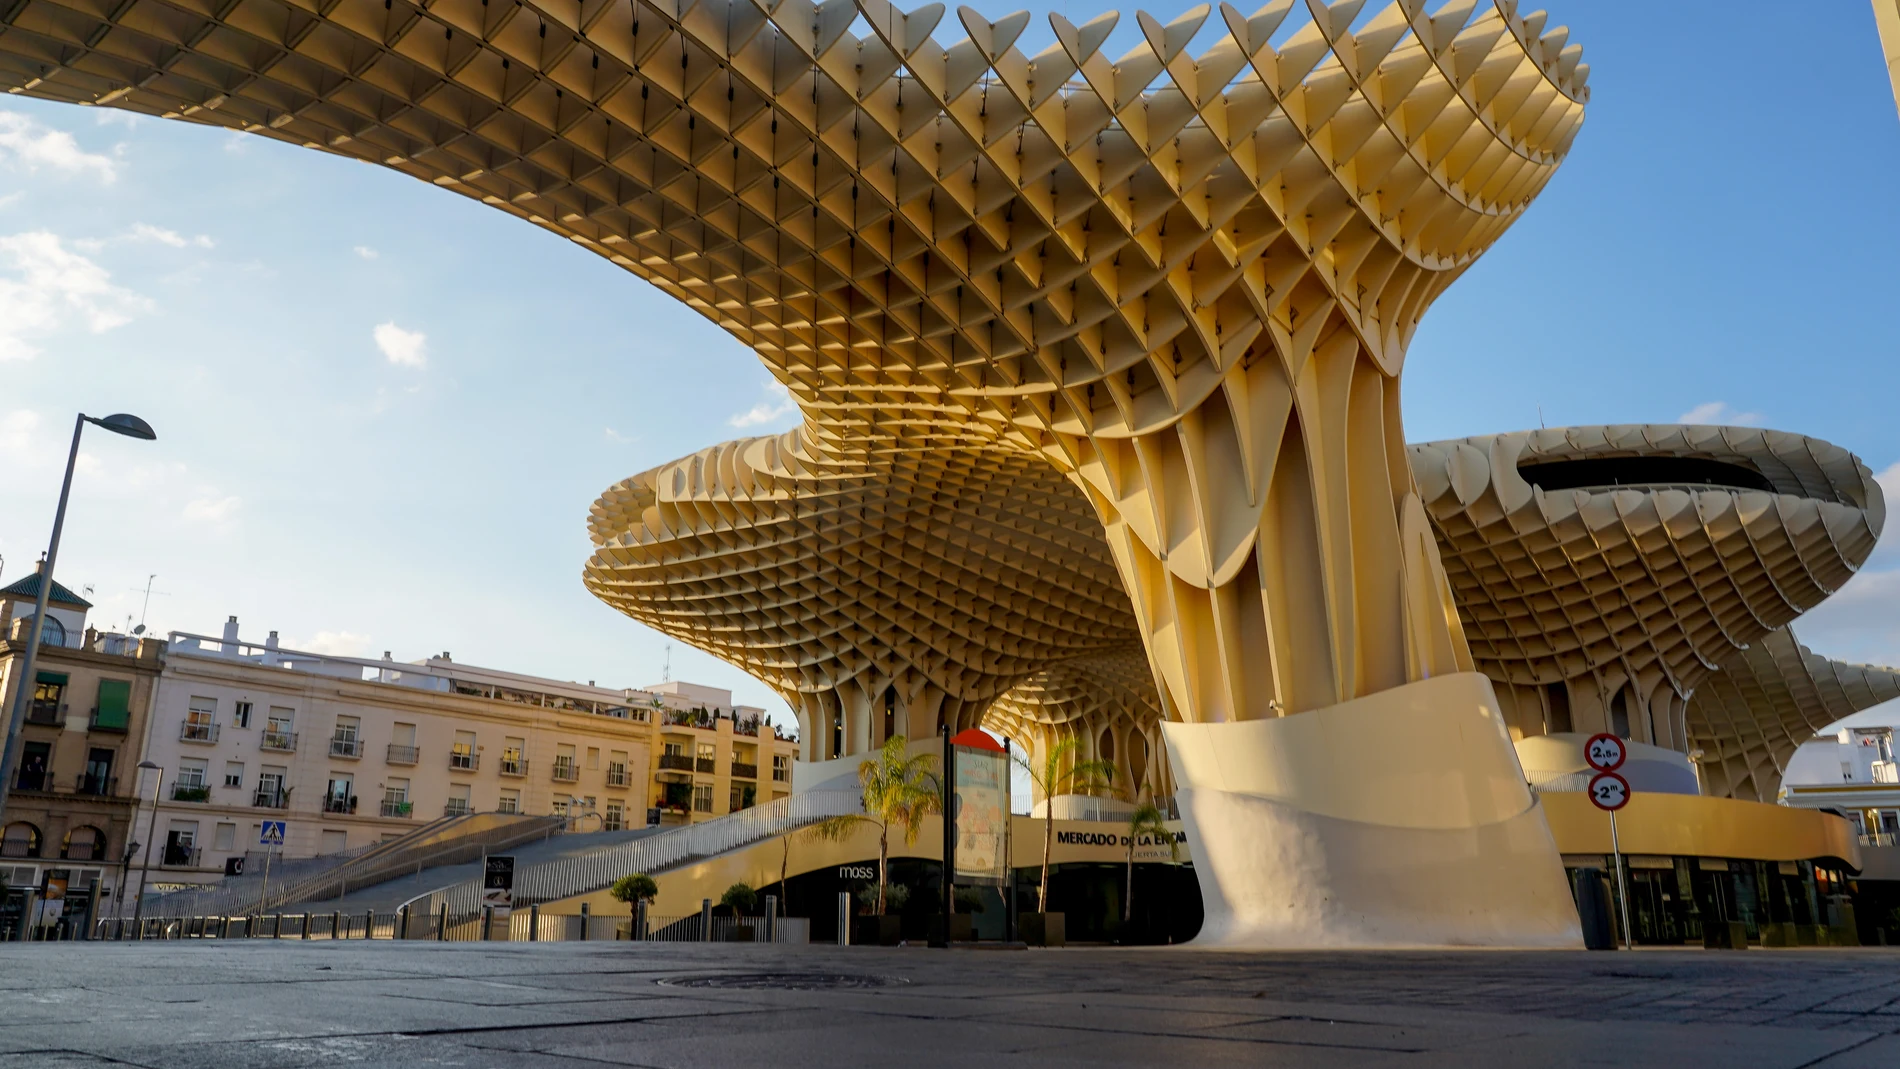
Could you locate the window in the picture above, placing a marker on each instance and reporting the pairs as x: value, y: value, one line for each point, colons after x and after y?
x: 340, y: 795
x: 617, y: 768
x: 332, y: 841
x: 97, y: 778
x: 181, y: 843
x: 277, y: 732
x: 512, y: 761
x: 114, y: 708
x: 21, y: 840
x: 744, y: 796
x: 49, y: 689
x: 201, y: 709
x: 234, y: 774
x: 462, y: 756
x: 509, y: 802
x: 52, y: 632
x: 616, y: 818
x: 402, y: 744
x: 674, y: 749
x: 241, y: 714
x: 224, y: 837
x: 36, y: 767
x: 593, y: 758
x: 561, y: 804
x: 458, y: 800
x: 564, y: 763
x: 396, y: 801
x: 345, y: 741
x: 781, y: 768
x: 84, y: 843
x: 702, y: 798
x: 201, y: 720
x: 192, y: 771
x: 270, y: 788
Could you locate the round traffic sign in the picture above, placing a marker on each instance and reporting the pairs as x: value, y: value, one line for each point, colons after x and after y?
x: 1605, y: 752
x: 1609, y: 791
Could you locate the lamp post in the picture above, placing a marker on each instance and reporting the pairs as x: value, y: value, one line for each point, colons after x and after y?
x: 121, y: 423
x: 151, y: 837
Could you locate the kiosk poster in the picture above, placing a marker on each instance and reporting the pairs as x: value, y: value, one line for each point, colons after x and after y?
x: 982, y: 810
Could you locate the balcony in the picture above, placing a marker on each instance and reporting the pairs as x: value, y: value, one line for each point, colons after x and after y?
x: 191, y: 792
x: 341, y: 746
x: 397, y: 807
x: 33, y: 779
x: 44, y: 712
x: 456, y: 807
x: 333, y: 804
x: 744, y: 771
x: 707, y: 764
x: 1885, y: 772
x: 271, y: 798
x: 274, y: 739
x: 99, y: 786
x: 198, y: 731
x: 401, y: 755
x: 616, y: 775
x: 514, y: 766
x: 181, y: 857
x: 565, y: 770
x: 678, y: 761
x: 466, y: 762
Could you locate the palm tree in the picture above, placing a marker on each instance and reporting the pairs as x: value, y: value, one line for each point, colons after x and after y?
x: 1061, y: 774
x: 899, y: 792
x: 1145, y: 820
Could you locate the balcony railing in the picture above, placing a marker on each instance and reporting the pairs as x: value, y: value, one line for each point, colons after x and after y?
x: 616, y: 775
x: 181, y: 856
x: 333, y: 804
x: 191, y: 792
x: 565, y: 770
x: 285, y: 741
x: 677, y: 761
x: 96, y: 785
x: 706, y: 764
x: 402, y: 755
x: 44, y: 712
x: 456, y: 807
x: 342, y: 746
x: 198, y: 731
x: 271, y: 798
x: 514, y: 766
x: 32, y: 780
x: 396, y: 807
x: 465, y: 762
x: 1886, y: 772
x: 1877, y: 838
x: 509, y: 806
x: 745, y: 771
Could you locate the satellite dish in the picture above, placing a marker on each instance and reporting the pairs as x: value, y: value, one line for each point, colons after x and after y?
x: 139, y: 630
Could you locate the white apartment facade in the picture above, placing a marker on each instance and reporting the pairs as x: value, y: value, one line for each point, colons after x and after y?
x: 1853, y: 772
x: 349, y: 751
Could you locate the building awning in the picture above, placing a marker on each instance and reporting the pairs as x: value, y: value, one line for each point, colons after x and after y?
x: 56, y: 679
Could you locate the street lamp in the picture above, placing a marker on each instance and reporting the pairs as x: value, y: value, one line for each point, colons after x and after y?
x: 151, y: 837
x: 131, y: 427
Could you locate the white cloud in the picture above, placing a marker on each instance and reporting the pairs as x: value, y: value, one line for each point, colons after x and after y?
x: 409, y: 348
x: 615, y: 436
x: 34, y: 145
x: 216, y: 511
x: 1720, y: 414
x: 334, y: 643
x: 17, y: 433
x: 366, y: 252
x: 43, y: 284
x: 148, y: 232
x: 767, y: 411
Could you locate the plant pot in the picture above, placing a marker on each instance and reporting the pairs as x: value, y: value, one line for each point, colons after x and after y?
x: 962, y: 928
x: 1779, y: 934
x: 740, y: 933
x: 1724, y: 935
x: 1040, y: 929
x: 880, y: 931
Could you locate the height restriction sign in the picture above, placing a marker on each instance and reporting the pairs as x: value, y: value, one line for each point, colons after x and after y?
x: 1609, y: 791
x: 1605, y: 753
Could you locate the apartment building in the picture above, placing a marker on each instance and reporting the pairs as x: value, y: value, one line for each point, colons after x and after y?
x: 70, y: 796
x: 350, y: 751
x: 712, y: 757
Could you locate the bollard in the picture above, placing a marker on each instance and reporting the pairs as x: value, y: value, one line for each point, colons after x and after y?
x: 771, y: 919
x: 534, y: 922
x: 639, y: 920
x: 306, y: 924
x: 402, y: 921
x: 336, y: 924
x: 442, y: 924
x: 277, y: 926
x: 583, y: 922
x: 705, y: 920
x: 844, y: 918
x: 488, y: 923
x: 369, y: 924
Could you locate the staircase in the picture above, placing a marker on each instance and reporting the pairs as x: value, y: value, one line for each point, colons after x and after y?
x: 596, y: 870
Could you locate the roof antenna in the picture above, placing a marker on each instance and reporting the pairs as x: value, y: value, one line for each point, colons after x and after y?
x: 666, y: 670
x: 1540, y: 416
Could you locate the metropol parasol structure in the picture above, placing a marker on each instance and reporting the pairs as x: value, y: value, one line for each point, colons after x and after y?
x: 1099, y: 361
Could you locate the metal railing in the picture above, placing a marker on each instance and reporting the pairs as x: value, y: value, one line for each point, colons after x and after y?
x: 598, y: 869
x: 398, y: 807
x: 676, y: 761
x: 456, y: 807
x: 565, y: 771
x: 346, y: 746
x: 97, y: 785
x: 333, y: 804
x: 464, y: 762
x: 285, y: 741
x: 745, y: 771
x: 514, y: 766
x: 198, y: 732
x: 616, y: 775
x: 269, y: 798
x: 401, y: 755
x: 707, y: 764
x: 191, y: 792
x: 413, y: 923
x: 44, y: 712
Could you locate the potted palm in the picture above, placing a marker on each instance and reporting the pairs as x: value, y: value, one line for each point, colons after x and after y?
x: 899, y: 792
x: 737, y: 903
x: 1058, y: 773
x: 637, y: 890
x: 1145, y: 820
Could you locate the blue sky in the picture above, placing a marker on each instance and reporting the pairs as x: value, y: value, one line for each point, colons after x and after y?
x: 384, y: 409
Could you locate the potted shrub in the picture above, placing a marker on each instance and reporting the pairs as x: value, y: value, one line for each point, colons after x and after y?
x: 1059, y: 773
x: 636, y: 889
x: 884, y: 929
x: 738, y: 902
x: 899, y: 792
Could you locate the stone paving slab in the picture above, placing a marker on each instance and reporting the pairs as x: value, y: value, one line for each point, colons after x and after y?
x: 288, y: 1004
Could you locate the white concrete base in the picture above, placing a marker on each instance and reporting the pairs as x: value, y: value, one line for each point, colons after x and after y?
x: 1399, y: 819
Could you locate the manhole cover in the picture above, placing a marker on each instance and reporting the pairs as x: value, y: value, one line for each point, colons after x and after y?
x: 783, y: 981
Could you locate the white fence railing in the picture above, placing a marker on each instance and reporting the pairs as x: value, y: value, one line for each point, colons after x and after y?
x: 597, y: 869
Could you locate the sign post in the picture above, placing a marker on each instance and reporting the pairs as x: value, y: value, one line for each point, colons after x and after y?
x: 1611, y: 792
x: 498, y: 888
x: 269, y: 833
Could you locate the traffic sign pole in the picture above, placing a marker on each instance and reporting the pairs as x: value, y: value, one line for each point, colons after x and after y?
x: 1622, y: 888
x: 1611, y: 792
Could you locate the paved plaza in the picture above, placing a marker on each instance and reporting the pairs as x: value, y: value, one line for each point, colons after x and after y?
x: 186, y: 1005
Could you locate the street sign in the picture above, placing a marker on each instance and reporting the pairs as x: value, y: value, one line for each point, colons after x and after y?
x: 498, y: 883
x: 1609, y: 791
x: 1605, y: 752
x: 270, y: 833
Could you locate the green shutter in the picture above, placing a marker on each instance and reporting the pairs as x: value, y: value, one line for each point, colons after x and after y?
x: 115, y: 701
x: 57, y: 679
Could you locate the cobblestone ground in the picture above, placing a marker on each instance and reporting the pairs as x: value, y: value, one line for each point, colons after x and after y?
x: 263, y: 1005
